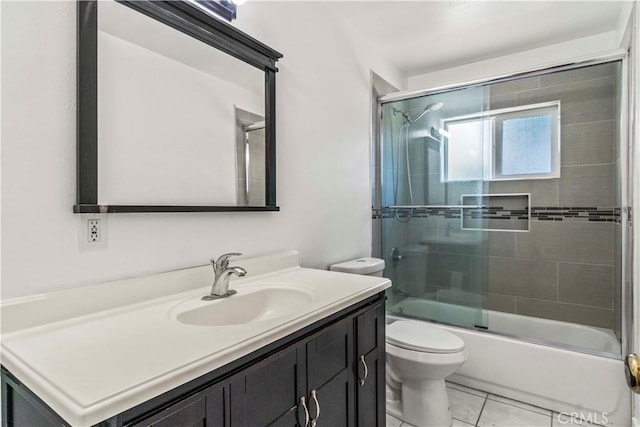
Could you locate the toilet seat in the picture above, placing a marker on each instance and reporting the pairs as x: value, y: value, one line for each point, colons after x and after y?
x: 422, y: 337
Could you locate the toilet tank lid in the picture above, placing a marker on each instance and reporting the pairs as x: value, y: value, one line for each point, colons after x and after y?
x: 423, y: 337
x: 366, y: 265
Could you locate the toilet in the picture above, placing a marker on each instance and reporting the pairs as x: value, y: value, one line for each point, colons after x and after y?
x: 419, y: 358
x: 367, y: 266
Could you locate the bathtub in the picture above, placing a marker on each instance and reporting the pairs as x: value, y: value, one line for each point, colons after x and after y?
x: 516, y: 361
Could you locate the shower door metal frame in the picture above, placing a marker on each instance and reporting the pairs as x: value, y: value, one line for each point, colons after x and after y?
x: 378, y: 85
x: 626, y: 193
x: 615, y: 55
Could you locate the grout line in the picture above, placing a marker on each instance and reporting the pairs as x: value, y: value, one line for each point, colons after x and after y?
x: 519, y: 407
x: 557, y: 281
x: 462, y: 421
x: 579, y: 165
x: 485, y: 393
x: 482, y: 410
x: 592, y: 121
x: 567, y: 303
x: 587, y: 263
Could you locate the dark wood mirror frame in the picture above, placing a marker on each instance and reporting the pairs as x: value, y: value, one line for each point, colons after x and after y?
x: 189, y: 20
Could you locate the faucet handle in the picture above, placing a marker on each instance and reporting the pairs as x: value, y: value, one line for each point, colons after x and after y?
x: 223, y: 261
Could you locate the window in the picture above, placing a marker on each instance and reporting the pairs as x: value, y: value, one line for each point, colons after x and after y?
x: 514, y: 143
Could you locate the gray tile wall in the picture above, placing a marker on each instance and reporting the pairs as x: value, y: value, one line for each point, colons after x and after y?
x: 563, y: 270
x: 568, y: 266
x: 588, y: 123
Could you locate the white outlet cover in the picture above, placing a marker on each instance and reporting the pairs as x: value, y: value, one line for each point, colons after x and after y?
x: 84, y: 230
x: 94, y: 230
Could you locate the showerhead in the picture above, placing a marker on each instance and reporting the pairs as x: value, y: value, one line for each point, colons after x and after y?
x: 408, y: 119
x: 431, y: 107
x: 434, y: 107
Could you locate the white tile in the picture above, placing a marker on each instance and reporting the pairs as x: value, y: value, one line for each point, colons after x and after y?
x: 467, y: 389
x: 560, y: 420
x: 458, y: 423
x: 393, y: 421
x: 407, y: 425
x: 465, y: 406
x: 520, y: 404
x: 503, y: 415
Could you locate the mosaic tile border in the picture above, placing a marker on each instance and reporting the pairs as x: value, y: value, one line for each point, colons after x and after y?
x: 538, y: 213
x: 596, y: 214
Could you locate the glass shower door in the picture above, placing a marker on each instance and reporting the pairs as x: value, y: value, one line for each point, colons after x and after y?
x: 434, y: 164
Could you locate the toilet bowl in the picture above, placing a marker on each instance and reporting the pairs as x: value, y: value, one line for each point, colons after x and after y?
x: 419, y: 358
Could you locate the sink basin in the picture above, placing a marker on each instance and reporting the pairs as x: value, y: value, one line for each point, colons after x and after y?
x: 249, y: 305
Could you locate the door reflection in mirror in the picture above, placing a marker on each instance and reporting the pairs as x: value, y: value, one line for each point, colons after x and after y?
x: 250, y: 158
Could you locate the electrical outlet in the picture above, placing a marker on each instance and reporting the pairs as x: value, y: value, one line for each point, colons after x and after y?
x: 94, y: 232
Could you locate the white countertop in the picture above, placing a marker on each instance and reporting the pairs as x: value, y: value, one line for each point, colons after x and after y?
x: 96, y: 351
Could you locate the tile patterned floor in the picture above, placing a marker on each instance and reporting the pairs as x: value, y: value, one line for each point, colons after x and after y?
x: 475, y: 408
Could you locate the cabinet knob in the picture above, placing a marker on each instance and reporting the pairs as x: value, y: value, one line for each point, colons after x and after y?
x: 303, y: 403
x: 366, y: 370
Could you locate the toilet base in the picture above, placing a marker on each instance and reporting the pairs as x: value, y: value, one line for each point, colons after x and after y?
x: 423, y: 404
x: 394, y: 407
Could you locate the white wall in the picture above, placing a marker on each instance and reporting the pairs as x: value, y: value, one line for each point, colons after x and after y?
x: 138, y: 136
x: 323, y: 95
x: 518, y: 62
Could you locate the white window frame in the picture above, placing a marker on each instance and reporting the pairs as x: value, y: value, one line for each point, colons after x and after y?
x: 492, y: 148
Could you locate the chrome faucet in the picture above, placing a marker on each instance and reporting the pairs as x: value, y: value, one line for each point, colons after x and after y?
x: 222, y: 271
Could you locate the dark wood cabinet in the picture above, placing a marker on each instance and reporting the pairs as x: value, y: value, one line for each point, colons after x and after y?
x: 308, y: 381
x: 331, y: 373
x: 370, y: 367
x: 268, y: 392
x: 188, y: 413
x: 329, y: 379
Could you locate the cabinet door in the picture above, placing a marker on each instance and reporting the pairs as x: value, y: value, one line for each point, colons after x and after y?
x: 217, y: 410
x: 332, y: 404
x: 370, y: 367
x: 267, y: 393
x: 328, y: 354
x: 329, y: 376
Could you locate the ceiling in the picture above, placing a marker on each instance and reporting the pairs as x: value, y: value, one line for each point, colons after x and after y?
x: 424, y: 36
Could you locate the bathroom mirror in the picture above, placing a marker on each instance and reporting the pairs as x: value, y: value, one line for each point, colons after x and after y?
x: 176, y: 111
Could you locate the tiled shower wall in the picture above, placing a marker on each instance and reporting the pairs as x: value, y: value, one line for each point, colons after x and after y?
x: 564, y: 267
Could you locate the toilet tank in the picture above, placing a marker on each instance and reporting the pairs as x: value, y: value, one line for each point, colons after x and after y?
x: 367, y: 266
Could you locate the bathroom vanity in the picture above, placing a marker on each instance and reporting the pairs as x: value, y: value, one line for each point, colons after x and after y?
x: 308, y: 350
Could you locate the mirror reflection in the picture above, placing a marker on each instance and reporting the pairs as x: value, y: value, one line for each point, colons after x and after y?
x: 178, y: 121
x: 250, y: 155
